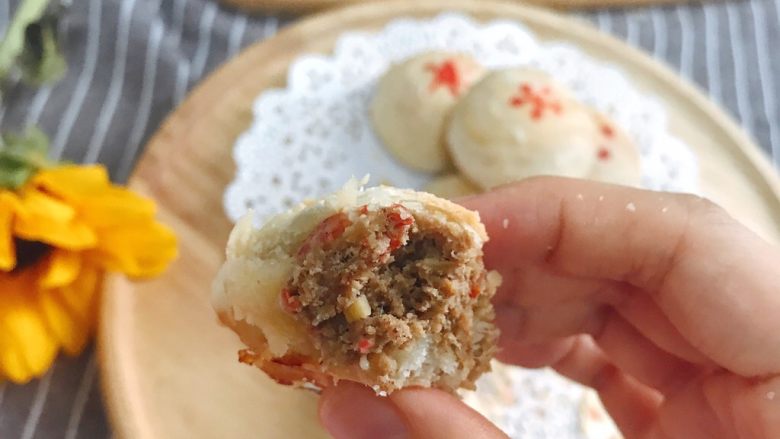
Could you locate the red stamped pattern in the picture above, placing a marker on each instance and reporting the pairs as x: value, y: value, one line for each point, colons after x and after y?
x: 540, y: 100
x: 445, y: 75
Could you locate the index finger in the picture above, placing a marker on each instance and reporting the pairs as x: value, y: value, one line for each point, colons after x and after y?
x: 716, y: 281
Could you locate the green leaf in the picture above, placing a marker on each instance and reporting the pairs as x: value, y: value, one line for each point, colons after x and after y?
x: 29, y: 48
x: 41, y: 61
x: 21, y: 156
x: 13, y: 174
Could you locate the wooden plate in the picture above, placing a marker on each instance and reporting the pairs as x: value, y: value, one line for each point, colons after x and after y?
x: 169, y: 371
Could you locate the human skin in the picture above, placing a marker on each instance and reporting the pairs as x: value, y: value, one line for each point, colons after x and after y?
x: 663, y: 303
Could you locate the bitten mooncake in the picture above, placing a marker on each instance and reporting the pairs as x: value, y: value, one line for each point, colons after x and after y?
x: 381, y: 286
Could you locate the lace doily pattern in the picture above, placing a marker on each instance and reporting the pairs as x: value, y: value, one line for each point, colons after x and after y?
x: 308, y: 138
x: 311, y: 136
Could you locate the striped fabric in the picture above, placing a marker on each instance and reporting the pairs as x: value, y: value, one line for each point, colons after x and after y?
x: 132, y: 61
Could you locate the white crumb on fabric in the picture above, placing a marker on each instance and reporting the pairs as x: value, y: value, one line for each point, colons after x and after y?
x: 770, y: 395
x: 580, y: 197
x: 505, y: 223
x: 664, y: 210
x: 631, y: 207
x: 601, y: 197
x: 382, y: 393
x: 364, y: 362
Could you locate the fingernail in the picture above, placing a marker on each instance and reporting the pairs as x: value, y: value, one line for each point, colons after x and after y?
x: 352, y: 411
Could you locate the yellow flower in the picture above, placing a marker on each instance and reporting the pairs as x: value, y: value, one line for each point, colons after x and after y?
x: 58, y: 234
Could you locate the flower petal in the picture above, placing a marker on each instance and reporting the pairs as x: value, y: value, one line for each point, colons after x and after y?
x: 27, y: 349
x: 71, y: 311
x: 62, y: 269
x: 43, y: 218
x: 116, y: 206
x: 8, y: 206
x: 138, y: 250
x: 39, y: 204
x: 73, y: 182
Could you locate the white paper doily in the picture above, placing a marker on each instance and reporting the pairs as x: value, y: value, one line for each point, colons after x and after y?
x: 307, y: 139
x: 539, y: 404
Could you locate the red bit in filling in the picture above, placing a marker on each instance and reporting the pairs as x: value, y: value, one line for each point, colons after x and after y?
x: 399, y: 216
x: 329, y: 229
x: 475, y: 290
x: 539, y: 100
x: 364, y: 345
x: 291, y: 360
x: 445, y: 75
x: 604, y: 153
x: 290, y: 302
x: 400, y: 220
x: 247, y: 356
x: 607, y: 130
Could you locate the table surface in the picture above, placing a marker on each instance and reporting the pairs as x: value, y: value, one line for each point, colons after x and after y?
x: 132, y: 61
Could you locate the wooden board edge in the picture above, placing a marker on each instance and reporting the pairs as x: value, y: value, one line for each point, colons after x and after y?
x: 309, y: 6
x: 121, y: 414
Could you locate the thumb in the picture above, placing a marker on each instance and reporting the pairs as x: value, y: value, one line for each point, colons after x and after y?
x: 352, y: 411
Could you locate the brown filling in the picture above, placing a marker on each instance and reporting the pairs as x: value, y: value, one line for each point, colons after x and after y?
x: 415, y: 277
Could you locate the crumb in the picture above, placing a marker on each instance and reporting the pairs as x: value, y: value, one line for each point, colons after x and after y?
x: 601, y: 197
x: 311, y: 386
x: 364, y: 362
x: 580, y: 197
x: 382, y: 393
x: 630, y: 207
x: 505, y: 223
x: 770, y: 395
x: 664, y: 210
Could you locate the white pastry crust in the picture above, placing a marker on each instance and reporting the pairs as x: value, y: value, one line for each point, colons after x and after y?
x: 617, y: 156
x: 451, y: 186
x: 518, y: 123
x: 250, y: 290
x: 412, y: 102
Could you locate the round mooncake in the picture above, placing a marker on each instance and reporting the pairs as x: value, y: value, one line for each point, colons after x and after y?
x: 411, y: 104
x: 451, y: 186
x: 617, y: 156
x: 518, y: 123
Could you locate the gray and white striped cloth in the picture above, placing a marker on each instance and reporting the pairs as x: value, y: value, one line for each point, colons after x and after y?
x: 132, y: 61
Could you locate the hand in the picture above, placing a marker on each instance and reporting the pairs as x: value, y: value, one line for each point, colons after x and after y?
x: 662, y: 303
